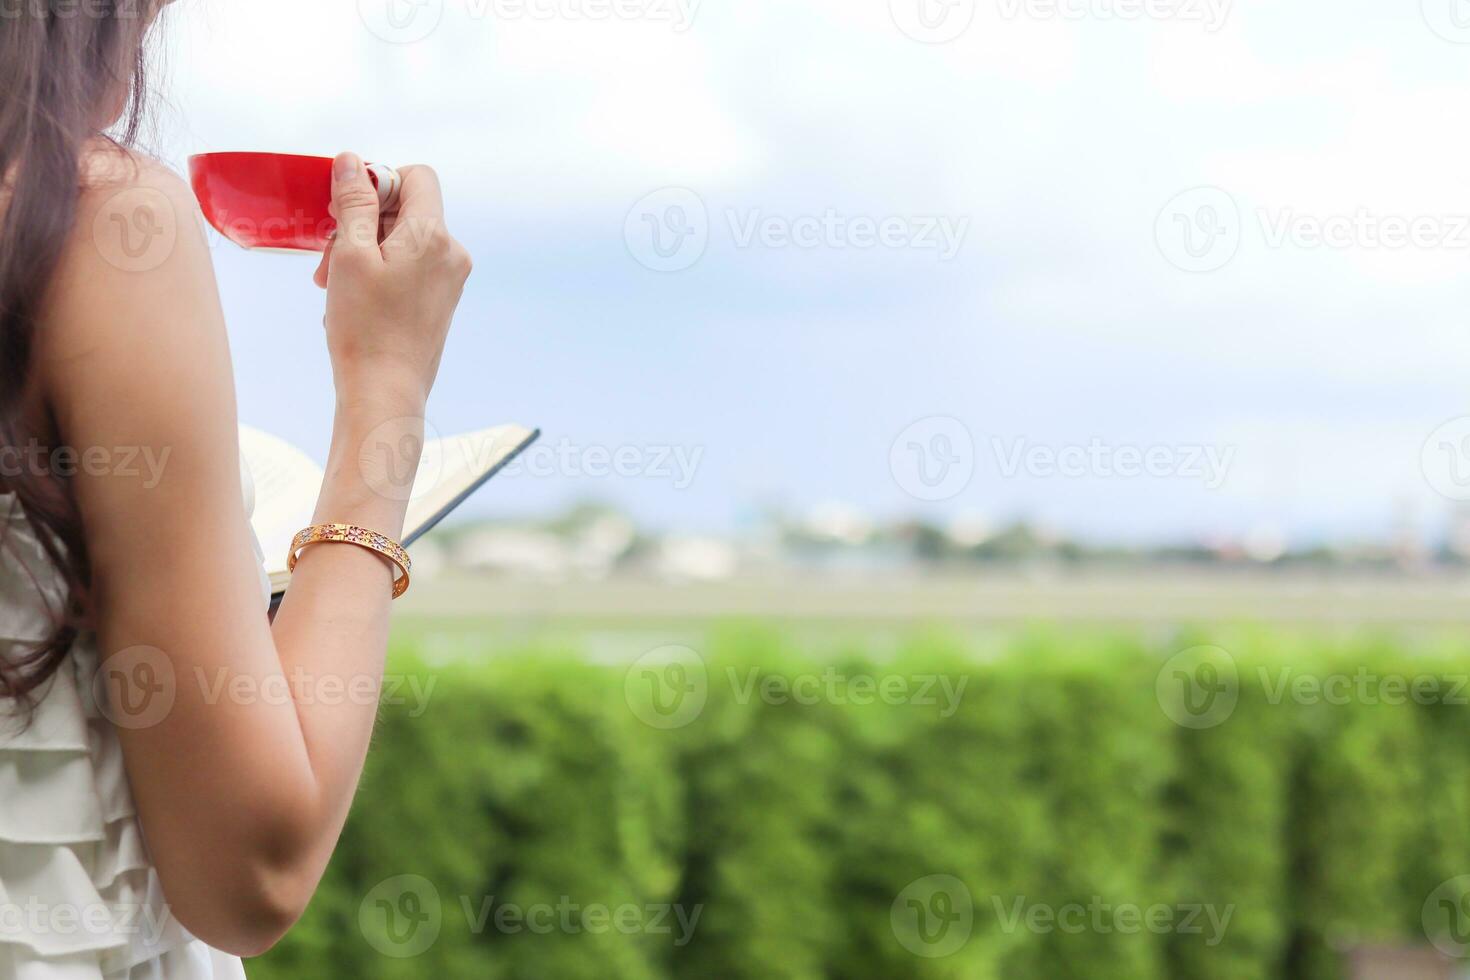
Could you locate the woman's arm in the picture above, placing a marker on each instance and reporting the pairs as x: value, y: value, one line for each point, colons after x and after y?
x: 242, y: 793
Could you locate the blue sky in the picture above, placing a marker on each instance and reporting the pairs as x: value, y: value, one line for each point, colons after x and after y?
x: 1059, y: 143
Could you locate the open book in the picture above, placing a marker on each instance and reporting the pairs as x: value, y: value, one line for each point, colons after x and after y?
x: 287, y: 482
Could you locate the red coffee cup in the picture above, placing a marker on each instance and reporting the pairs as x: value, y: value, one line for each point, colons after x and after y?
x: 275, y: 200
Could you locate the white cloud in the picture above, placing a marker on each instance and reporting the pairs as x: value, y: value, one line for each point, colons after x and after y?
x: 1059, y: 138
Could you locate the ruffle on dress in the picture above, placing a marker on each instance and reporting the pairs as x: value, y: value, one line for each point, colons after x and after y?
x: 79, y: 897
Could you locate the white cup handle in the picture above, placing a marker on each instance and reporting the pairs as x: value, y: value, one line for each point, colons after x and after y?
x: 390, y: 185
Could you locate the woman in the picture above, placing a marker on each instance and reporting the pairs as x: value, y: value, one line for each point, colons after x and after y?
x: 187, y: 821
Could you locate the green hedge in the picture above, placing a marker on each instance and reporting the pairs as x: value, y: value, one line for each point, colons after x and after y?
x: 1009, y: 814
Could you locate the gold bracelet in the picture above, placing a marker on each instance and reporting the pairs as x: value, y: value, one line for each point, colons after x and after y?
x: 363, y: 538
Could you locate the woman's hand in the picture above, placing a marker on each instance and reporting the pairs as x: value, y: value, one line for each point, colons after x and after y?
x: 390, y: 299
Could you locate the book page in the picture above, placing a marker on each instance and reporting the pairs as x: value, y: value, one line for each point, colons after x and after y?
x: 287, y: 483
x: 451, y: 468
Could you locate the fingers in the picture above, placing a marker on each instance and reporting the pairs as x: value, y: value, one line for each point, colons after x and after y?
x: 421, y: 194
x: 419, y: 218
x: 355, y: 202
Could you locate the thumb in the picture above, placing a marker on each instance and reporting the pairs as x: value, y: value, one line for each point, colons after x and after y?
x: 356, y: 202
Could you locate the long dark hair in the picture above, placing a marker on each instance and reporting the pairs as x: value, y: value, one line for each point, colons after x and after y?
x: 64, y: 68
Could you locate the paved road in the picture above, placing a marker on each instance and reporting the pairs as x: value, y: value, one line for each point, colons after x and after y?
x: 1132, y: 597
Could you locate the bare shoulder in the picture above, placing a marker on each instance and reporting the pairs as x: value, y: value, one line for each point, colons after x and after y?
x: 108, y: 166
x: 133, y: 294
x: 132, y: 212
x: 136, y: 262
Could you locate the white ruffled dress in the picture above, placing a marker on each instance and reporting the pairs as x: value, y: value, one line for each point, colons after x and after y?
x: 79, y: 898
